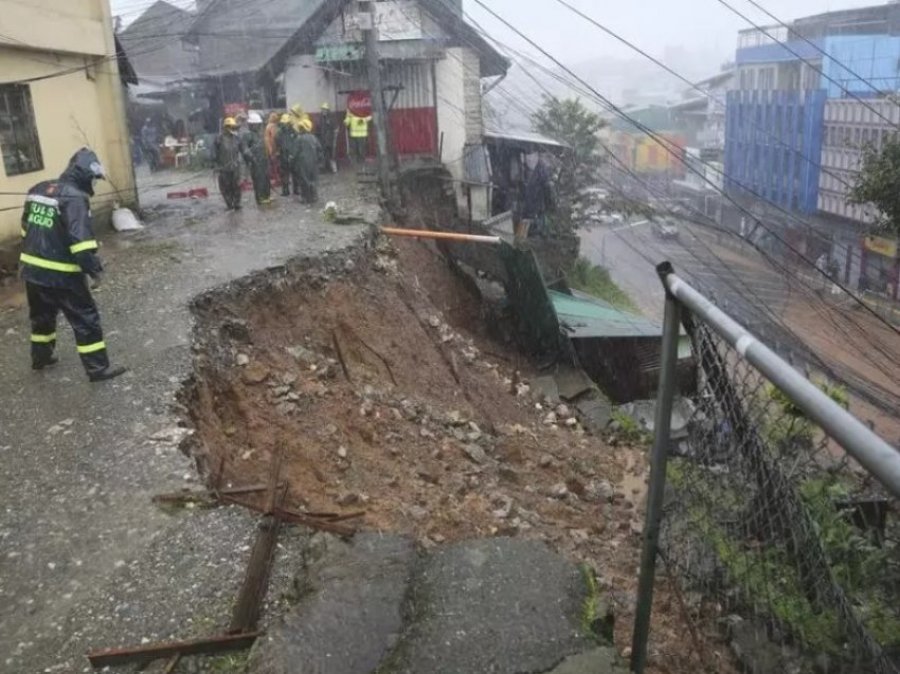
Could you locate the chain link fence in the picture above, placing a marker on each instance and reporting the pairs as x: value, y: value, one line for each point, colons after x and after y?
x: 782, y: 542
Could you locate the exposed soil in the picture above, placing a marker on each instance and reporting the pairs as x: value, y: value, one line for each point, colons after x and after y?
x: 377, y: 380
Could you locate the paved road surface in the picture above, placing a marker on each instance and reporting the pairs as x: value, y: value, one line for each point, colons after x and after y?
x: 740, y: 281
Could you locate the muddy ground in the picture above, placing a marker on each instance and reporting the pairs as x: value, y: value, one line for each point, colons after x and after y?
x: 375, y: 378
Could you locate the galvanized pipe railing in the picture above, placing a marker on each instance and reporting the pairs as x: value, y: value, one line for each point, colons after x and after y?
x: 874, y: 454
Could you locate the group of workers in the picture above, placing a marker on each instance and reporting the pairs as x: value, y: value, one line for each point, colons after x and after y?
x: 287, y: 150
x: 59, y: 260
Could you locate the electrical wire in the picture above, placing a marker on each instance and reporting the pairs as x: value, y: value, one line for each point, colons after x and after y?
x: 795, y: 53
x: 812, y: 44
x: 668, y: 146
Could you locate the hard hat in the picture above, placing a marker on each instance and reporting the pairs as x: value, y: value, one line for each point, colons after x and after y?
x: 297, y: 109
x: 255, y: 118
x: 325, y: 106
x: 306, y: 125
x: 229, y: 122
x: 285, y: 119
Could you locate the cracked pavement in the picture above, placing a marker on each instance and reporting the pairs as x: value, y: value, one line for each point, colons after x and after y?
x: 86, y: 560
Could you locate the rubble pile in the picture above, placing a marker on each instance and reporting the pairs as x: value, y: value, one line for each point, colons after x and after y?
x: 382, y: 403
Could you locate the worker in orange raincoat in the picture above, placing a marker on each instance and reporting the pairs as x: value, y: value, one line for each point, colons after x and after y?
x: 271, y: 148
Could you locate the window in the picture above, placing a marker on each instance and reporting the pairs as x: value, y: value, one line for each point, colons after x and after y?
x: 18, y: 132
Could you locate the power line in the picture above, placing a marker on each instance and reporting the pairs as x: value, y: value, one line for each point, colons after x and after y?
x: 784, y: 45
x: 666, y: 145
x: 815, y: 46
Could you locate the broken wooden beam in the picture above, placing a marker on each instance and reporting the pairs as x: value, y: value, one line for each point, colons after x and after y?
x: 112, y: 657
x: 208, y: 498
x: 248, y: 605
x: 331, y: 526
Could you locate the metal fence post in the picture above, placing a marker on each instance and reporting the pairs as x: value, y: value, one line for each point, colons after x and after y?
x: 658, y: 461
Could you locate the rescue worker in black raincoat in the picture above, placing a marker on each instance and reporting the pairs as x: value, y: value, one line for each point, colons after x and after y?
x: 306, y: 162
x: 227, y: 153
x: 254, y: 151
x: 285, y: 142
x: 59, y: 253
x: 326, y: 132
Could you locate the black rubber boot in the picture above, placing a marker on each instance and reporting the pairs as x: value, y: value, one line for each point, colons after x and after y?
x: 110, y: 372
x: 40, y: 365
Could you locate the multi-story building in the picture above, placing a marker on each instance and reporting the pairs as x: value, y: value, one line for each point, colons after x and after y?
x: 806, y: 101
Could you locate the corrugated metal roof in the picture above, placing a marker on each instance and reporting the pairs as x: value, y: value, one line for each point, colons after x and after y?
x: 585, y: 317
x: 523, y: 137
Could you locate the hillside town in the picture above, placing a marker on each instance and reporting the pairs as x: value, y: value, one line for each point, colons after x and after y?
x: 449, y: 336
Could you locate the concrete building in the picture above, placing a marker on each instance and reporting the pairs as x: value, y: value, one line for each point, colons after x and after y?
x: 62, y: 89
x: 794, y: 135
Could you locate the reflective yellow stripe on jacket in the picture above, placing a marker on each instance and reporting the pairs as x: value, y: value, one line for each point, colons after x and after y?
x: 82, y: 246
x: 53, y: 265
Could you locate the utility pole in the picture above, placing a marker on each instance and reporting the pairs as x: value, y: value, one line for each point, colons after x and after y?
x: 379, y: 116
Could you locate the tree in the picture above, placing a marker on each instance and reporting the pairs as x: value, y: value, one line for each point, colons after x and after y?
x: 570, y: 122
x: 878, y: 183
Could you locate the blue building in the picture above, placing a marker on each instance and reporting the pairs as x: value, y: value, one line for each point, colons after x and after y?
x: 775, y: 119
x: 767, y: 135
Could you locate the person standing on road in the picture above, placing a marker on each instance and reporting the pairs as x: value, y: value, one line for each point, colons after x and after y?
x: 358, y: 130
x: 308, y: 153
x: 285, y: 143
x: 227, y: 155
x: 327, y: 135
x: 58, y: 256
x: 271, y: 149
x: 150, y: 144
x: 254, y: 151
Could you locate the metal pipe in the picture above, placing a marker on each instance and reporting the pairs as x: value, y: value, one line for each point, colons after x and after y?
x: 656, y: 491
x: 873, y: 453
x: 450, y: 236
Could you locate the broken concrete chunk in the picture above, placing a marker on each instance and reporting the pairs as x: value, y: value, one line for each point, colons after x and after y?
x: 255, y: 373
x: 475, y: 453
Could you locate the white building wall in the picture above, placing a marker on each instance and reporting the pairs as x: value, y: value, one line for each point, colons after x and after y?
x: 306, y: 83
x: 451, y: 110
x: 850, y: 126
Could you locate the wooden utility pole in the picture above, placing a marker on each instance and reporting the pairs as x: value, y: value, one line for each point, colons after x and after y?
x: 379, y: 111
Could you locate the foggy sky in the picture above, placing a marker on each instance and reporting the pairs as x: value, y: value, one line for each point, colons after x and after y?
x: 703, y: 26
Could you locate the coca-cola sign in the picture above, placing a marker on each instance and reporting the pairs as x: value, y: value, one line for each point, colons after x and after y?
x: 359, y: 103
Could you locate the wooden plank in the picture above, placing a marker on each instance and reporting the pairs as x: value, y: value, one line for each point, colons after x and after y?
x: 248, y: 605
x: 331, y: 526
x: 112, y: 657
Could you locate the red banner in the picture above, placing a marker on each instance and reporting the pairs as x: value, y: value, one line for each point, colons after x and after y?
x: 359, y: 103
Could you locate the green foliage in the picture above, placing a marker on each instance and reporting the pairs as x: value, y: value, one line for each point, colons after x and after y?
x: 590, y: 609
x: 570, y: 122
x: 767, y: 575
x: 877, y: 183
x: 229, y: 664
x: 785, y: 423
x: 593, y: 280
x: 629, y: 430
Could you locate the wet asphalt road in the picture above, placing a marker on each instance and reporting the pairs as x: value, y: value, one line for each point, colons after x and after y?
x: 736, y: 278
x: 85, y: 559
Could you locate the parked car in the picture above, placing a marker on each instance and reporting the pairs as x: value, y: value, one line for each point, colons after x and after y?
x: 665, y: 229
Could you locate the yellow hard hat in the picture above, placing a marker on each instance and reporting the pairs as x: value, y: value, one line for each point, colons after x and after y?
x: 306, y: 125
x: 285, y: 119
x: 325, y: 106
x: 297, y: 109
x: 229, y: 121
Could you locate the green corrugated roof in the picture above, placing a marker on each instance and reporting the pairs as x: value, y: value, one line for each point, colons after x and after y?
x: 584, y: 317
